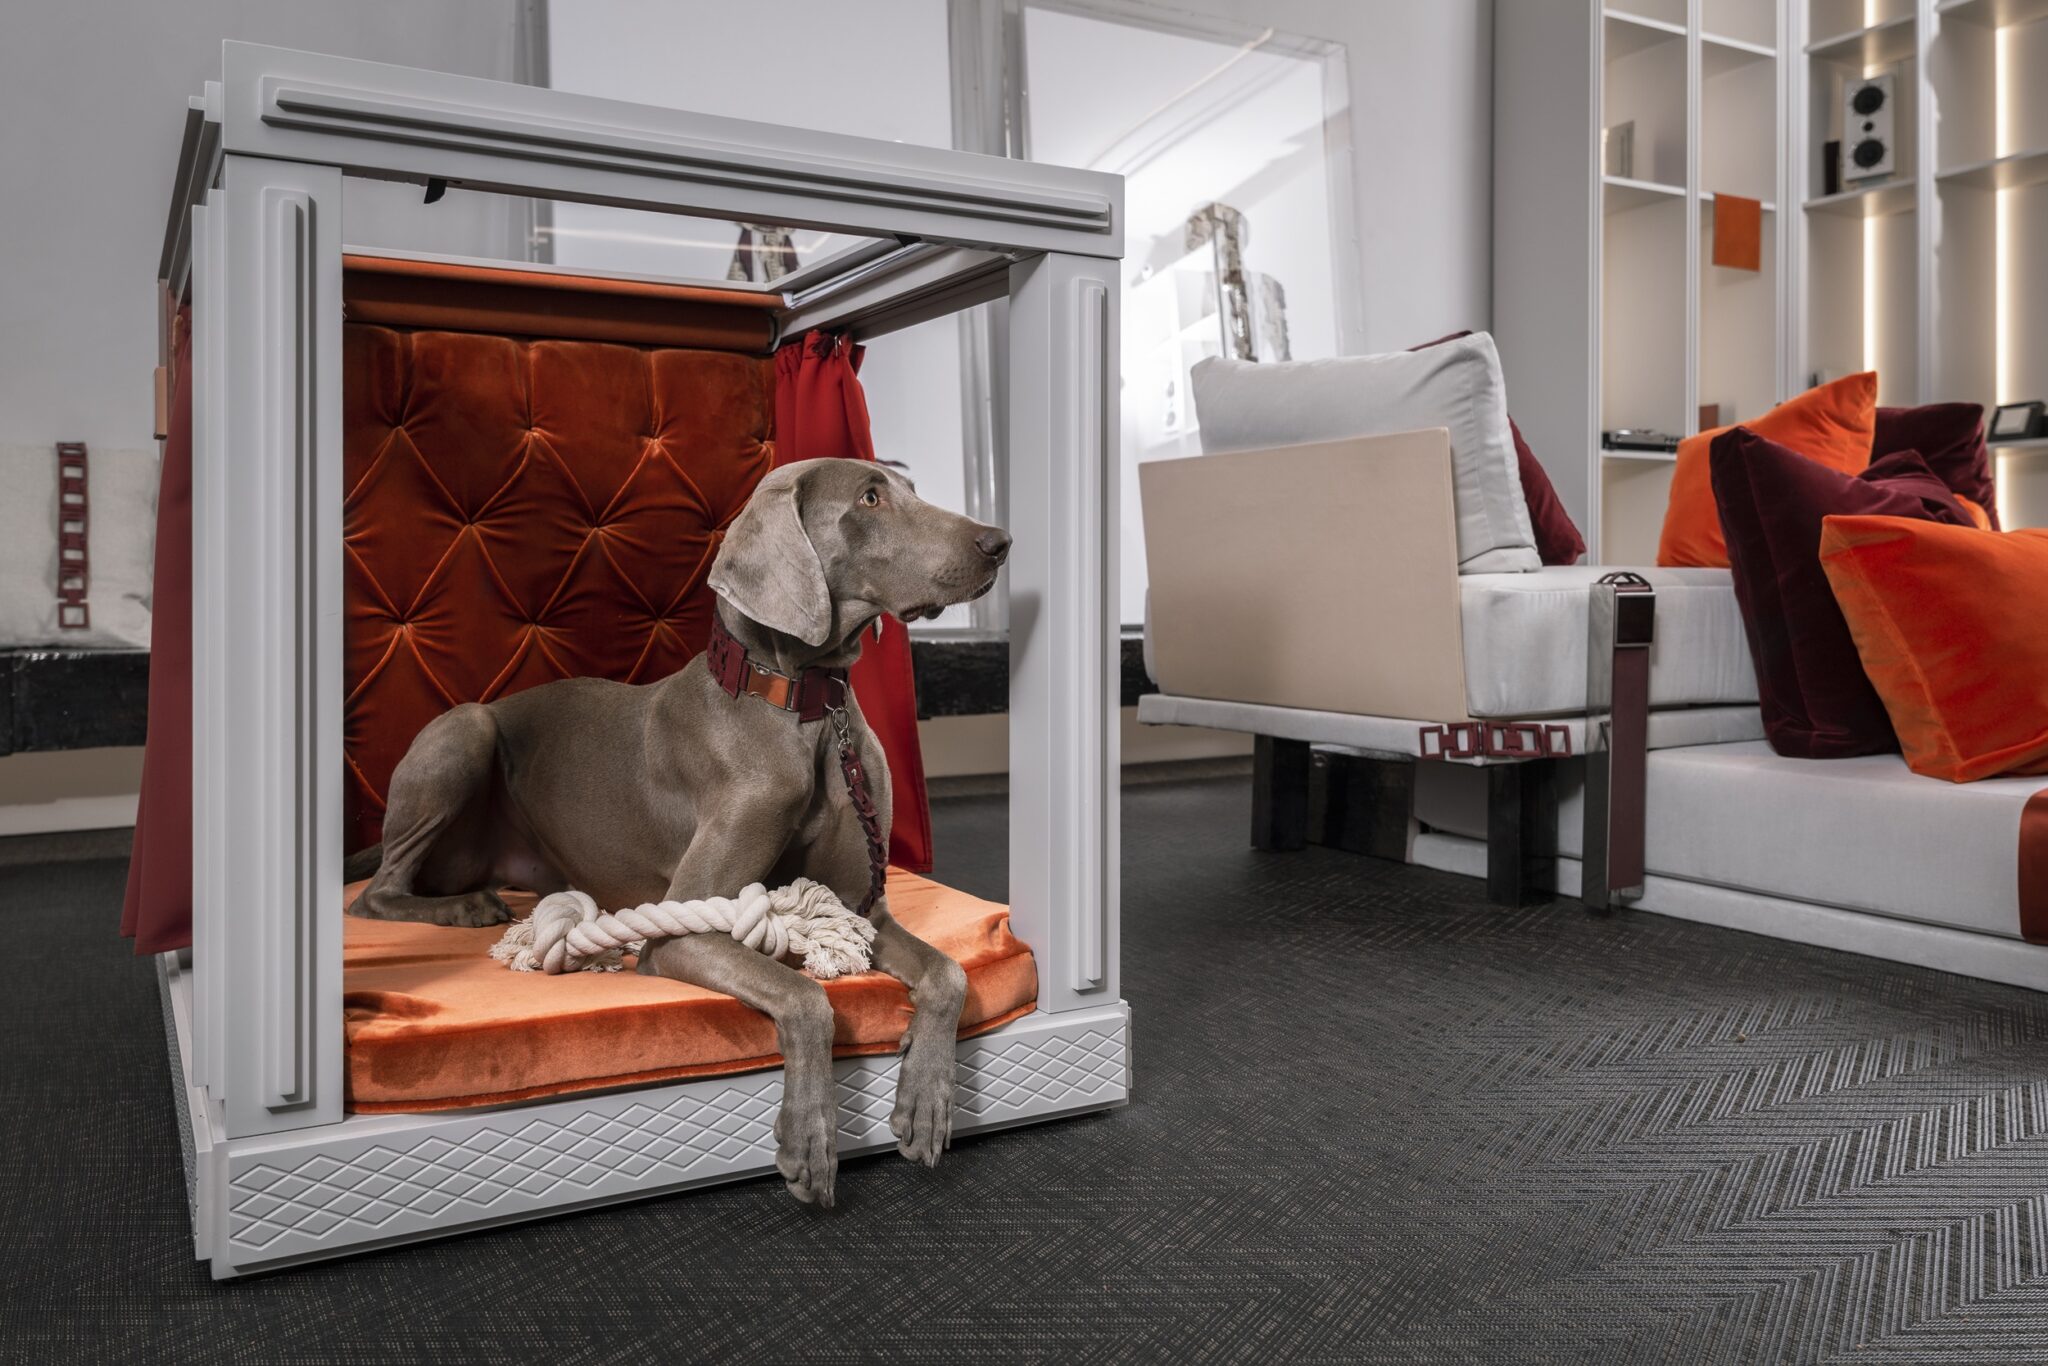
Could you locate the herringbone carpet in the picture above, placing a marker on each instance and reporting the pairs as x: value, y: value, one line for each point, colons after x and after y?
x: 1376, y: 1120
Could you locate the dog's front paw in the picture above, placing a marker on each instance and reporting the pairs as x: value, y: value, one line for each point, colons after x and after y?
x: 923, y: 1118
x: 474, y: 911
x: 807, y: 1151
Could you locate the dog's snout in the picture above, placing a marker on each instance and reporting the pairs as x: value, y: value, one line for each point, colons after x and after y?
x: 994, y: 543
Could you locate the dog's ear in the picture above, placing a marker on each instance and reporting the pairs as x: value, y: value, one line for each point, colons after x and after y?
x: 768, y: 569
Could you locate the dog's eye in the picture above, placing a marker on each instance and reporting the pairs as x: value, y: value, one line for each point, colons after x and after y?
x: 871, y: 499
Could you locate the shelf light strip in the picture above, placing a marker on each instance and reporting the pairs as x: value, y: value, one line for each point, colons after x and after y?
x: 2001, y: 252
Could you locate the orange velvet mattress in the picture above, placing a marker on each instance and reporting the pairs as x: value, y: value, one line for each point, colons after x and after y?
x: 435, y: 1023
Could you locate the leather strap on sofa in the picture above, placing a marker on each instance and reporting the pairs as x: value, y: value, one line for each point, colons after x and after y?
x: 2033, y: 868
x: 1622, y: 619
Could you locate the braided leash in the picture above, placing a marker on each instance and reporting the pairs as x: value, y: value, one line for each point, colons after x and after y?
x: 568, y: 933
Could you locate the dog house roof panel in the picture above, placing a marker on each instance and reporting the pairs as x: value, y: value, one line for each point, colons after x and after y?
x: 393, y: 122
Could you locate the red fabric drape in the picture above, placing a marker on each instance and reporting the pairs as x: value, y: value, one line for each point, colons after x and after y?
x: 821, y: 412
x: 157, y: 911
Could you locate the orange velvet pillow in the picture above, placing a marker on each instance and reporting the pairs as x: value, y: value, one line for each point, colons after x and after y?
x: 1952, y: 626
x: 1832, y: 424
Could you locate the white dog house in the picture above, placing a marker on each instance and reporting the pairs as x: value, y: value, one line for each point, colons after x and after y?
x: 279, y: 1170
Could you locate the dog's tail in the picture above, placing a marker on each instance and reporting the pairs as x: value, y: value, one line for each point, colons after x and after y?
x: 363, y: 863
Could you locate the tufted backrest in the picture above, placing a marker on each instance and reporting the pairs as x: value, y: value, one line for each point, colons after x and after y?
x: 518, y: 511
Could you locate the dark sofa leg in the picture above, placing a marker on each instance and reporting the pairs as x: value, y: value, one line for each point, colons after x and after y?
x: 1362, y: 805
x: 1521, y: 832
x: 1280, y: 777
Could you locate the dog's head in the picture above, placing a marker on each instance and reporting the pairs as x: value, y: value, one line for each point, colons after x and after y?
x: 826, y: 546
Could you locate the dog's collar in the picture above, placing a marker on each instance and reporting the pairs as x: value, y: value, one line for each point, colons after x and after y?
x: 813, y: 694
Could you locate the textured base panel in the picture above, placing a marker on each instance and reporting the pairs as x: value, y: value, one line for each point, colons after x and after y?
x: 1995, y: 959
x: 375, y: 1180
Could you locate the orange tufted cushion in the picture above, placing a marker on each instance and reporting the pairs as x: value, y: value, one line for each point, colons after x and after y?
x: 518, y: 511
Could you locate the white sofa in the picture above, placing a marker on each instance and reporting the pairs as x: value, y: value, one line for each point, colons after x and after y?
x: 1854, y: 854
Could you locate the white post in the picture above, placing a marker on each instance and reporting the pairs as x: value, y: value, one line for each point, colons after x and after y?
x: 274, y: 779
x: 1064, y: 651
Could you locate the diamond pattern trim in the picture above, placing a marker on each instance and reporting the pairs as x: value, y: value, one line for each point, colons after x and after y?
x: 519, y: 1162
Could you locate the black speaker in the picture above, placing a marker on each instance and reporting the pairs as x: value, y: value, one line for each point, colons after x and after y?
x: 1867, y: 120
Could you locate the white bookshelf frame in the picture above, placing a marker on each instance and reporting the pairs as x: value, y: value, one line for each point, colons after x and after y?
x: 278, y: 1172
x: 1941, y: 327
x: 1955, y: 178
x: 1553, y: 289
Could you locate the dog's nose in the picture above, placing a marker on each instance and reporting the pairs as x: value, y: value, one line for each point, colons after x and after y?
x: 994, y: 543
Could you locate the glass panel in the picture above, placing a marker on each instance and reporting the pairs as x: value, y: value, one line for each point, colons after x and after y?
x: 596, y: 238
x: 396, y: 217
x: 735, y: 61
x: 751, y: 256
x: 1231, y: 207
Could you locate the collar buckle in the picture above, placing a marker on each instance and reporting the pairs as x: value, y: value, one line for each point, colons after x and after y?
x: 811, y: 695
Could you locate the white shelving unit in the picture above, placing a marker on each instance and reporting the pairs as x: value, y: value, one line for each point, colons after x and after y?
x: 1618, y: 318
x: 1937, y: 277
x: 1606, y: 307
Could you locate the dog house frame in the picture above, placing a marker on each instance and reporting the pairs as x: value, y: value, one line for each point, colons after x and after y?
x: 278, y: 1173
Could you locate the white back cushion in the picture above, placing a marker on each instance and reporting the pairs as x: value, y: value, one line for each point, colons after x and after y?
x: 1242, y: 405
x: 120, y: 539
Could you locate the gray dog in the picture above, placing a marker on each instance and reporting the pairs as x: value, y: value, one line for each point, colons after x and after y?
x: 686, y: 788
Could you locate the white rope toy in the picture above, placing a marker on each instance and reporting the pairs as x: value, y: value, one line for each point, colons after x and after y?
x: 568, y: 933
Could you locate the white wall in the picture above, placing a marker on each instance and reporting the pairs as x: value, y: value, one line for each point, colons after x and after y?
x: 92, y: 102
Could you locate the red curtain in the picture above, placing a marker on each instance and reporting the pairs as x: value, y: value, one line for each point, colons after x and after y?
x: 157, y: 911
x: 821, y: 412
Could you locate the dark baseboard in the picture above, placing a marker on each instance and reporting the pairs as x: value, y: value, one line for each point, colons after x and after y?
x: 66, y: 846
x: 72, y: 699
x: 1134, y: 775
x: 969, y: 675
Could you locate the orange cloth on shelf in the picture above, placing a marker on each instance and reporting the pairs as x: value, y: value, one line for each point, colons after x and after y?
x: 1738, y: 232
x: 1833, y: 424
x: 1951, y: 624
x: 435, y: 1023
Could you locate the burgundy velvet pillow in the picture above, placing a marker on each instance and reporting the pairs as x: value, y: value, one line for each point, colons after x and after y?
x: 1557, y: 538
x: 1817, y: 703
x: 1950, y: 438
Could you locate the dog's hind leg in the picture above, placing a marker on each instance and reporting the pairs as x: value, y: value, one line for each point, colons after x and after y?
x: 437, y: 840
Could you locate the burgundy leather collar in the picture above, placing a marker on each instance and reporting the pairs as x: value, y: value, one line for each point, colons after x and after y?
x: 812, y: 695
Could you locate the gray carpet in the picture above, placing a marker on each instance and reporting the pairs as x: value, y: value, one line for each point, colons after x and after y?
x: 1376, y: 1120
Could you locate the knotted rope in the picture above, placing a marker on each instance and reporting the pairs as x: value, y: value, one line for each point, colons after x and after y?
x: 568, y: 933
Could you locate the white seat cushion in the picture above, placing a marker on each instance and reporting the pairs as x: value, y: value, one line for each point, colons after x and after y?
x: 1243, y: 406
x: 120, y: 547
x: 1865, y: 834
x: 1525, y: 640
